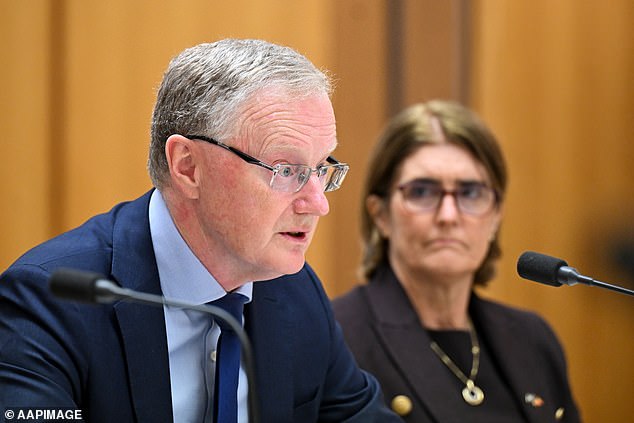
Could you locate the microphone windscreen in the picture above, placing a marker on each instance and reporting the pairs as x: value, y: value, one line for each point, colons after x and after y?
x: 540, y: 268
x: 74, y: 284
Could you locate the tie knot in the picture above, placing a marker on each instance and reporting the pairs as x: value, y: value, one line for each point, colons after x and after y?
x: 232, y: 303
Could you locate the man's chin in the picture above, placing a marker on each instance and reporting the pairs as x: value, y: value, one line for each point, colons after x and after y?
x: 287, y: 267
x: 293, y: 263
x: 291, y: 268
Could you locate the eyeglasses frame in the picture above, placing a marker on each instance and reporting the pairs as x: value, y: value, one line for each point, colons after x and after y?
x: 444, y: 192
x: 275, y: 169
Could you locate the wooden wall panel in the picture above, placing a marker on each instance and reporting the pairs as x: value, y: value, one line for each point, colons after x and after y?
x: 554, y: 80
x: 435, y: 51
x: 24, y: 127
x: 361, y: 109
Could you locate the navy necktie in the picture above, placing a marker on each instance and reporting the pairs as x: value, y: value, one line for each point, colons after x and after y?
x: 227, y: 361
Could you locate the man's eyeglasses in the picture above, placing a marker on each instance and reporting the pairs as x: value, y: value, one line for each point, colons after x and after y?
x: 425, y: 195
x: 291, y: 177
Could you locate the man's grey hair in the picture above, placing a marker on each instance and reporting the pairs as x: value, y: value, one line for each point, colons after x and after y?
x: 206, y: 86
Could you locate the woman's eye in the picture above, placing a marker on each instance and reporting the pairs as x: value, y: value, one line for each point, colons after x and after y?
x: 422, y: 191
x: 470, y: 192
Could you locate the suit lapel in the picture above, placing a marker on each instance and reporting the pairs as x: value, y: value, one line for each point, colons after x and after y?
x: 142, y: 326
x: 515, y: 358
x: 408, y: 346
x: 266, y: 317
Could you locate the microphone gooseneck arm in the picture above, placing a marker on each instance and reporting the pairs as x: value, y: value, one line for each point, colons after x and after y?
x: 556, y: 272
x: 94, y: 288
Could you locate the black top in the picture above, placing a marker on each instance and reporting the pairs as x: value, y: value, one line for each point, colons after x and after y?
x: 498, y: 404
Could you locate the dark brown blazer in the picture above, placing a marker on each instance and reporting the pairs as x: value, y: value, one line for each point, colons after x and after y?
x: 387, y: 339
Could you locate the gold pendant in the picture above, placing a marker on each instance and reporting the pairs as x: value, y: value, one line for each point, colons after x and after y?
x: 472, y: 394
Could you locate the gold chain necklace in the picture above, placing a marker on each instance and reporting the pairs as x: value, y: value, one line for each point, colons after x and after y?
x: 471, y: 393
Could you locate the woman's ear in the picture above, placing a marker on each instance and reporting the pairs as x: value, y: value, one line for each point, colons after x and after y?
x: 180, y: 153
x: 378, y: 211
x: 497, y: 221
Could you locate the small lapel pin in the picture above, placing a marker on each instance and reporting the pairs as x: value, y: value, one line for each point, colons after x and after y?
x: 533, y: 399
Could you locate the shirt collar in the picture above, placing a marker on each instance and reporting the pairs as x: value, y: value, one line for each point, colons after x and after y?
x: 182, y: 276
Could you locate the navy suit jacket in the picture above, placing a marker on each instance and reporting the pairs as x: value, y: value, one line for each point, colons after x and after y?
x: 112, y: 360
x: 387, y: 339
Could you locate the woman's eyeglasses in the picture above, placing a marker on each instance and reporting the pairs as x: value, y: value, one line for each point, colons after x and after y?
x: 425, y: 195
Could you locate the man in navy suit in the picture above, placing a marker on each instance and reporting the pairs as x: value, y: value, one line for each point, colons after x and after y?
x: 240, y: 158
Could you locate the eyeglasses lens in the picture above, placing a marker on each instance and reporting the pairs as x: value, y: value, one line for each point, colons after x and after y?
x: 291, y: 178
x: 471, y: 197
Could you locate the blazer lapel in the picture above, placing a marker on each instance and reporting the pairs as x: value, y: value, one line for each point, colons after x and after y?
x: 408, y: 346
x: 266, y: 317
x: 514, y: 358
x: 142, y: 326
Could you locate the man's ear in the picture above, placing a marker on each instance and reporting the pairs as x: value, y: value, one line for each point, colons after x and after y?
x: 181, y: 156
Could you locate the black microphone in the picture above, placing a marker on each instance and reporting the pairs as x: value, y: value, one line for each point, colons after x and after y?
x: 90, y: 287
x: 556, y: 272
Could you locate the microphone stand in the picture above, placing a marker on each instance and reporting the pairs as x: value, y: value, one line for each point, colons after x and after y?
x: 555, y: 272
x: 105, y: 292
x: 570, y: 276
x: 612, y: 287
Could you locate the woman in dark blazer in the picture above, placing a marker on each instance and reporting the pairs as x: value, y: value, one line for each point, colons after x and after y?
x: 434, y: 198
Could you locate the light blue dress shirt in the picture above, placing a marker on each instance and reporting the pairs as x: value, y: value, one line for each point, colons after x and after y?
x: 191, y: 335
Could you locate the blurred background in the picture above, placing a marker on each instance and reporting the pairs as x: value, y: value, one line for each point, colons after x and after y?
x: 554, y: 79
